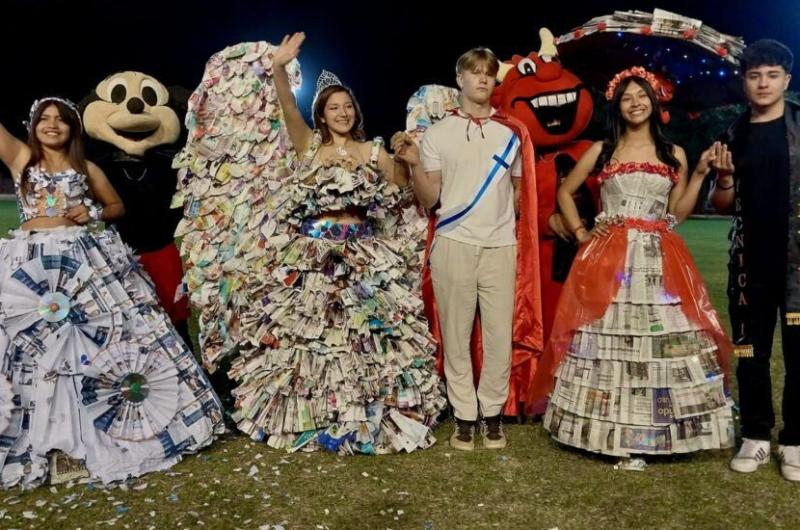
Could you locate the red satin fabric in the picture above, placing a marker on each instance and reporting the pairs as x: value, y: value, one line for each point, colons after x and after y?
x: 166, y: 270
x: 593, y: 282
x: 682, y: 278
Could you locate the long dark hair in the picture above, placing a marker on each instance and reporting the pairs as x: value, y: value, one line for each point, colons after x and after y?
x: 357, y: 132
x: 74, y: 146
x: 616, y: 127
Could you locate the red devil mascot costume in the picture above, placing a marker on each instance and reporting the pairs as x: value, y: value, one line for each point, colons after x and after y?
x: 555, y: 107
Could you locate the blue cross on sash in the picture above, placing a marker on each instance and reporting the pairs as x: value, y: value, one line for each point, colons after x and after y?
x: 452, y: 217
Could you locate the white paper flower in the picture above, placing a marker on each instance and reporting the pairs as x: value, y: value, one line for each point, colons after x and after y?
x: 59, y: 291
x: 130, y: 391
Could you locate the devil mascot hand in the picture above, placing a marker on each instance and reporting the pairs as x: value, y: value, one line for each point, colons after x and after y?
x: 134, y: 129
x: 555, y: 107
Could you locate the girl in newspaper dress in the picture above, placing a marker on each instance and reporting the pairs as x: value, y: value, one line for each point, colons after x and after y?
x: 341, y: 357
x: 90, y: 366
x: 637, y: 360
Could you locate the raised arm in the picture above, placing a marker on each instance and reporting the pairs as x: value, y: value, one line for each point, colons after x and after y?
x: 13, y: 152
x: 299, y: 132
x: 427, y: 184
x: 394, y: 170
x: 683, y: 196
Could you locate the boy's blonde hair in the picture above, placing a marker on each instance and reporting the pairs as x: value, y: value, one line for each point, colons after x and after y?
x: 477, y: 57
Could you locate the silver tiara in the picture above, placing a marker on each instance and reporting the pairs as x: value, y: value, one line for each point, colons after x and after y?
x: 325, y: 80
x: 38, y: 103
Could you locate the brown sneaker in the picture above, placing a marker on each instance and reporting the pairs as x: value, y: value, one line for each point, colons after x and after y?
x: 492, y: 431
x: 463, y: 437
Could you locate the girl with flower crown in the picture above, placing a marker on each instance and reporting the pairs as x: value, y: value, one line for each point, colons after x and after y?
x: 636, y: 362
x: 90, y: 366
x: 340, y: 357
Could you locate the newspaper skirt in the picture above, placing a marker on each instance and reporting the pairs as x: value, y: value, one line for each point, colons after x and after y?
x: 647, y: 376
x: 90, y: 363
x: 340, y: 356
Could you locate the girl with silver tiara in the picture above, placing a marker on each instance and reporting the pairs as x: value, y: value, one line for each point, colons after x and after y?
x: 339, y: 355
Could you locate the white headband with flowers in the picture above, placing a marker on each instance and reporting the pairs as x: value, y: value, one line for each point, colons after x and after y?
x: 39, y: 102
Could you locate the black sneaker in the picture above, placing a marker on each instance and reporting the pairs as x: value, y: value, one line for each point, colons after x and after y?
x: 463, y: 437
x: 492, y: 431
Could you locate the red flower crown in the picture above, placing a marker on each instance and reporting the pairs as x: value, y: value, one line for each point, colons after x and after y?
x: 636, y: 71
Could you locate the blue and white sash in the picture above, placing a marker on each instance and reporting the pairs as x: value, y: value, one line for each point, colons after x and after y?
x: 502, y: 158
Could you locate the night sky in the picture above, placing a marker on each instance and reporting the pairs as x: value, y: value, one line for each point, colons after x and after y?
x: 66, y: 47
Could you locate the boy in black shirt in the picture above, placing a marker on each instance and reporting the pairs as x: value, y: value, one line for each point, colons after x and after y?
x: 763, y: 193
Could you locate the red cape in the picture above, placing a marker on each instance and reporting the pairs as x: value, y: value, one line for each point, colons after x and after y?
x: 528, y: 341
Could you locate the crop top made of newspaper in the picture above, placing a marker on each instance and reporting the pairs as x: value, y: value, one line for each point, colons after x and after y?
x: 52, y: 194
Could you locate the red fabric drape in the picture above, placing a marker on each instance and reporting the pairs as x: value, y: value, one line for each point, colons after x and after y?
x: 593, y: 283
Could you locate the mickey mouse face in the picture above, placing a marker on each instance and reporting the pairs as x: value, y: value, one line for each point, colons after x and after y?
x: 131, y: 113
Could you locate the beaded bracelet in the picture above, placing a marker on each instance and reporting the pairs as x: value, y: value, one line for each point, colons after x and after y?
x: 717, y: 186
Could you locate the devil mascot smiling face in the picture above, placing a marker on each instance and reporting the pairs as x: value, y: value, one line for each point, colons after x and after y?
x: 555, y: 107
x: 134, y: 128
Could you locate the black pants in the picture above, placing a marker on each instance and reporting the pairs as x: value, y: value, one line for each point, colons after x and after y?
x: 753, y: 374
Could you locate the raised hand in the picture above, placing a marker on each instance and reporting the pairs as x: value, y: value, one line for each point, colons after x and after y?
x: 723, y: 162
x: 289, y: 49
x: 716, y: 157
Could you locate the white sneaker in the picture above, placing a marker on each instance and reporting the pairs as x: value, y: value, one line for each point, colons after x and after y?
x: 752, y: 454
x: 790, y: 461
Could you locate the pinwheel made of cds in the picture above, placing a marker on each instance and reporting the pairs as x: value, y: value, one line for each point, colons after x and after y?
x: 58, y: 290
x: 6, y: 402
x: 130, y: 391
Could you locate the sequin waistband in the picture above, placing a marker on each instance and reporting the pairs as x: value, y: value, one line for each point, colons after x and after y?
x: 336, y: 231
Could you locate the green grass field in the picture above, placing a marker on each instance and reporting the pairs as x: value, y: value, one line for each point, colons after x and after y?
x: 533, y: 484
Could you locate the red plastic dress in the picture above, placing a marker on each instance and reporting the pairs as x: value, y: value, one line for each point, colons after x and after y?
x: 637, y: 357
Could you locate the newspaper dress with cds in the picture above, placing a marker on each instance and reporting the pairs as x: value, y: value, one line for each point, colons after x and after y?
x: 90, y: 365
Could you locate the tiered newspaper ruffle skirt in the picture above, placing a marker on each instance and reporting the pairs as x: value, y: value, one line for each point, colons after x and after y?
x: 341, y: 357
x: 643, y: 378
